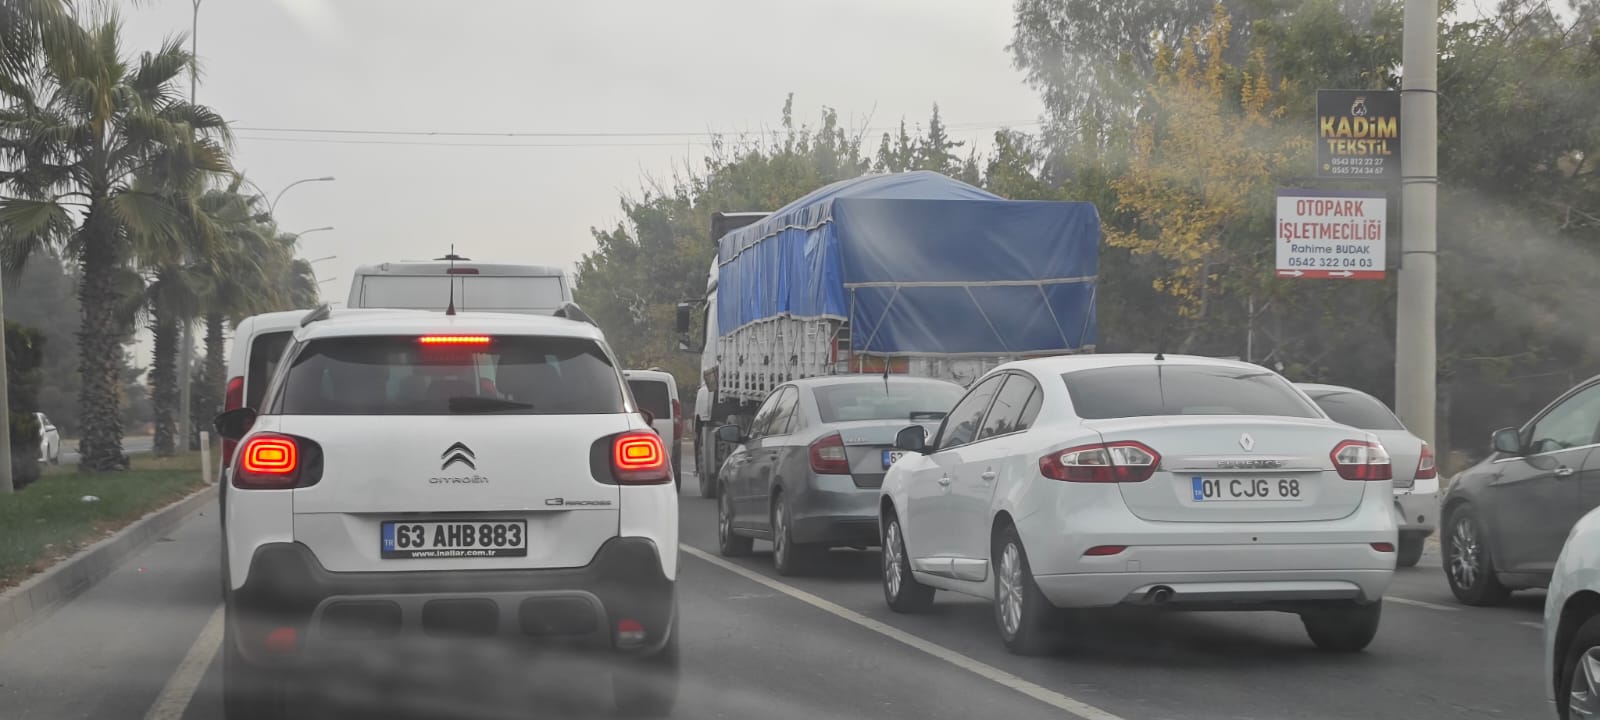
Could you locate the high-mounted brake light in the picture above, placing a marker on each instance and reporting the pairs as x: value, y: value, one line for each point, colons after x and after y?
x: 454, y: 339
x: 1361, y: 460
x: 1425, y: 465
x: 268, y: 461
x: 1113, y: 462
x: 639, y: 458
x: 232, y: 399
x: 461, y: 271
x: 828, y: 456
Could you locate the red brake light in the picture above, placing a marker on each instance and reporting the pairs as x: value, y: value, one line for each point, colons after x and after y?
x: 461, y: 271
x: 232, y: 399
x: 639, y: 458
x: 1104, y: 550
x: 454, y: 339
x: 1361, y: 460
x: 268, y: 462
x: 1425, y: 465
x: 828, y: 456
x: 1121, y: 461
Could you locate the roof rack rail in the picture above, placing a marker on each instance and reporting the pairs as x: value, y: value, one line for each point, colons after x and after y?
x: 322, y: 312
x: 571, y: 311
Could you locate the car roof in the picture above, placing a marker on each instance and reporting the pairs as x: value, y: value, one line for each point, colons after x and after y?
x: 1057, y: 364
x: 650, y: 376
x: 1325, y: 388
x: 436, y: 267
x: 855, y: 378
x: 351, y: 323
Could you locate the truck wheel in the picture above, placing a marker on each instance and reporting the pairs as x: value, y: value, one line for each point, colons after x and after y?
x: 705, y: 451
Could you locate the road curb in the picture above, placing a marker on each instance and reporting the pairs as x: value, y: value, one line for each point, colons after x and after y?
x: 39, y: 596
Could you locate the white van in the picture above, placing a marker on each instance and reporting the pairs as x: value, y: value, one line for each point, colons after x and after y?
x: 480, y: 287
x: 657, y: 392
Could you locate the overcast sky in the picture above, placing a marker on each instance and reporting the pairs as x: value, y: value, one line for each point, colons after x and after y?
x: 687, y: 66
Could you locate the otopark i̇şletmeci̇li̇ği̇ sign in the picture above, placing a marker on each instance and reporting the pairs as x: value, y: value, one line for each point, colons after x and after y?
x: 1335, y: 234
x: 1358, y: 134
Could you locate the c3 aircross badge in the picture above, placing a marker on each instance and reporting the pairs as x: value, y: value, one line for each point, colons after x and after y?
x: 458, y: 453
x: 1247, y: 442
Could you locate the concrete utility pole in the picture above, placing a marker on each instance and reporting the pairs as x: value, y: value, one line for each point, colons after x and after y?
x: 5, y: 404
x: 1415, y: 364
x: 186, y: 353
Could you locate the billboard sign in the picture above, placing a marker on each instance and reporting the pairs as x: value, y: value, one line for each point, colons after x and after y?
x: 1331, y: 234
x: 1358, y: 134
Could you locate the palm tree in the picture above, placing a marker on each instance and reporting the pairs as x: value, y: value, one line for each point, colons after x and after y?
x: 78, y: 138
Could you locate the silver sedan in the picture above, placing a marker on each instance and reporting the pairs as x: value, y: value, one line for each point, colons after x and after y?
x: 806, y: 474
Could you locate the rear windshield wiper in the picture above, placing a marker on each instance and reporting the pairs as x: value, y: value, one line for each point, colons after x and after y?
x: 475, y: 404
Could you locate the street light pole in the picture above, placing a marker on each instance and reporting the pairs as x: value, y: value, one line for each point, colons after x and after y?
x: 273, y: 208
x: 1416, y: 365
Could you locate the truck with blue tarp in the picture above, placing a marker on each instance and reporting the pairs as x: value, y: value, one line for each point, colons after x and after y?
x: 910, y: 273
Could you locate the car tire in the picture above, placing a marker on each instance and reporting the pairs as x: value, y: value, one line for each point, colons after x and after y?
x: 1410, y: 550
x: 1468, y: 566
x: 729, y: 543
x: 1345, y: 629
x: 705, y: 461
x: 1585, y: 644
x: 648, y: 686
x: 790, y: 558
x: 1028, y: 623
x: 900, y: 588
x: 250, y: 692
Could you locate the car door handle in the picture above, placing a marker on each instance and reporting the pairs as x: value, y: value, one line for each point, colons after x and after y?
x: 988, y: 476
x: 1563, y: 471
x: 944, y: 481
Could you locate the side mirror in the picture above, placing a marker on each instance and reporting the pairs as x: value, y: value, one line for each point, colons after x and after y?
x: 683, y: 317
x: 911, y: 439
x: 1507, y: 440
x: 649, y: 417
x: 233, y: 424
x: 730, y: 434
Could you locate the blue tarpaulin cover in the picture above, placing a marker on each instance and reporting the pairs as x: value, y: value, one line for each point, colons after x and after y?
x: 920, y: 264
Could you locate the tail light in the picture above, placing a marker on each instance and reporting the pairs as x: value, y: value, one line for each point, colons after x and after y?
x: 677, y: 421
x: 232, y: 399
x: 639, y: 458
x: 1104, y: 550
x: 269, y: 461
x: 454, y: 339
x: 1383, y: 547
x: 828, y: 457
x: 1425, y: 465
x: 1361, y: 460
x: 1121, y: 461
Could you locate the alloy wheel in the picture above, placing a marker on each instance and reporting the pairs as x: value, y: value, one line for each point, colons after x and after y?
x: 1010, y: 579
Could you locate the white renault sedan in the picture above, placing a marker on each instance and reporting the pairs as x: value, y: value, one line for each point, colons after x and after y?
x: 1102, y: 480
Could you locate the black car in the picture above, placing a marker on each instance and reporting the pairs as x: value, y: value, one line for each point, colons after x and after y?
x: 1505, y: 519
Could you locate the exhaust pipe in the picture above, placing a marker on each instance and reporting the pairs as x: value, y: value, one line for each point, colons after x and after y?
x: 1158, y: 595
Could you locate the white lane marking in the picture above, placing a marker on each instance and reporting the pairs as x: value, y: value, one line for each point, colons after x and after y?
x: 1532, y: 624
x: 1049, y: 697
x: 1420, y: 604
x: 174, y: 698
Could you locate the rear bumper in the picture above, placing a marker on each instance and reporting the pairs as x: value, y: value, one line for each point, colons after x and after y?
x: 1230, y: 590
x: 567, y: 609
x: 1418, y: 508
x: 831, y: 510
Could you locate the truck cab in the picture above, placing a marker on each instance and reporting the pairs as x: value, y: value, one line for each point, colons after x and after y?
x: 471, y: 286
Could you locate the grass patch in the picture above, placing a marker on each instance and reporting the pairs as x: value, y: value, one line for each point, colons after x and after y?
x: 49, y: 520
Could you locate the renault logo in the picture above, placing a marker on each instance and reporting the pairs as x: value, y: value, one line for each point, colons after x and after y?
x: 1247, y: 442
x: 458, y: 453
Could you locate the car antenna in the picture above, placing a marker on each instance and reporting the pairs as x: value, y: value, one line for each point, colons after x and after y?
x: 1160, y: 355
x: 451, y: 277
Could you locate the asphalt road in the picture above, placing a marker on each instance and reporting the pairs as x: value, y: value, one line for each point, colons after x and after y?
x: 143, y: 644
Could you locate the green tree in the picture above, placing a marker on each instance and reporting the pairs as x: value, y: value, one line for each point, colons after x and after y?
x: 78, y: 138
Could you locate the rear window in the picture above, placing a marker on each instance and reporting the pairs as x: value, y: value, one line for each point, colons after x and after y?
x: 652, y: 395
x: 877, y: 401
x: 1168, y: 389
x: 483, y: 293
x: 265, y: 352
x: 1357, y: 410
x: 401, y: 375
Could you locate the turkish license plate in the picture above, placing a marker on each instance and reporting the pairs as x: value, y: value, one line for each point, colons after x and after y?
x: 1246, y: 489
x: 890, y: 456
x: 455, y: 539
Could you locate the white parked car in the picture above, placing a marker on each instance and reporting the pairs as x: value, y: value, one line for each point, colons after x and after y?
x: 49, y: 440
x: 1572, y: 624
x: 656, y: 392
x: 1100, y: 480
x: 412, y: 476
x: 1416, y: 476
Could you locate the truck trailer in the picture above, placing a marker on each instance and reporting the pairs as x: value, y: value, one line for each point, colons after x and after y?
x: 906, y: 273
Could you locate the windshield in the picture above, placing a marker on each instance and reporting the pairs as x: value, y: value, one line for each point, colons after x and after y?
x: 1357, y: 410
x: 652, y: 396
x: 387, y: 375
x: 875, y: 400
x: 1172, y: 389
